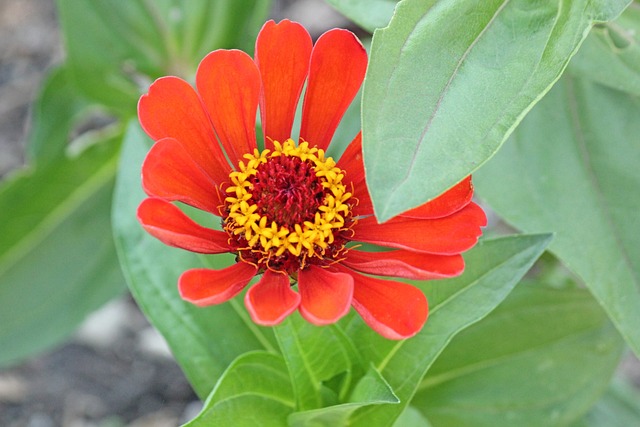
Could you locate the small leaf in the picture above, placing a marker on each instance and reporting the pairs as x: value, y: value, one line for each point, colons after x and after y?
x: 449, y: 80
x: 203, y: 340
x: 571, y: 167
x: 254, y: 391
x: 372, y: 389
x: 57, y: 259
x: 315, y: 355
x: 493, y: 269
x: 540, y: 359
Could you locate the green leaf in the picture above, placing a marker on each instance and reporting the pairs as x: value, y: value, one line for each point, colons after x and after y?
x: 449, y: 80
x: 571, y: 167
x: 540, y: 359
x: 368, y: 14
x: 254, y: 391
x: 115, y: 48
x: 372, y: 389
x: 493, y: 269
x: 619, y: 407
x: 314, y: 356
x: 56, y: 110
x: 203, y: 340
x: 57, y: 259
x: 611, y: 54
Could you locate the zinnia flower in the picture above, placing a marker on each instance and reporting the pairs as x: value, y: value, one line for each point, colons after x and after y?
x: 288, y: 212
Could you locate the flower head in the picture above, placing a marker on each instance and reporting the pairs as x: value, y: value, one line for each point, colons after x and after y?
x: 288, y: 211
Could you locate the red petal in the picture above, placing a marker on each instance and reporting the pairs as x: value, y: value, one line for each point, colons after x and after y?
x: 337, y: 68
x: 351, y: 162
x: 447, y: 203
x: 171, y: 226
x: 204, y: 287
x: 395, y: 310
x: 173, y: 109
x: 325, y: 295
x: 447, y: 236
x: 406, y: 264
x: 229, y: 83
x: 282, y: 55
x: 170, y: 173
x: 271, y: 299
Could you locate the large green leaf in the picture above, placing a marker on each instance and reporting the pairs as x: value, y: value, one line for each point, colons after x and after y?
x: 540, y: 359
x: 571, y: 167
x: 611, y: 53
x: 493, y: 269
x: 116, y: 47
x: 203, y: 340
x: 57, y: 260
x: 449, y: 80
x: 254, y: 391
x: 369, y: 14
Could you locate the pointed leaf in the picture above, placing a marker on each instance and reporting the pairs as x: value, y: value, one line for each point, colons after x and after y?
x: 493, y: 269
x: 203, y: 340
x: 572, y: 168
x: 372, y: 389
x: 254, y: 391
x: 449, y: 80
x: 541, y: 358
x: 314, y: 356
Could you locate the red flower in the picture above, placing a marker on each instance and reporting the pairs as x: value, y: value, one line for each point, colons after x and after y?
x: 289, y: 212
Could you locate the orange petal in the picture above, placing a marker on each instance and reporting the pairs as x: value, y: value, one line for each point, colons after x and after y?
x: 406, y: 264
x: 446, y: 204
x: 173, y: 109
x: 171, y: 226
x: 337, y: 68
x: 395, y: 310
x: 271, y: 299
x: 446, y: 236
x: 325, y: 295
x: 204, y: 287
x: 171, y: 173
x: 229, y: 83
x: 282, y: 55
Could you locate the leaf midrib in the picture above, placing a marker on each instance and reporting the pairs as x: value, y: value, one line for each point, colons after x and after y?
x: 49, y: 223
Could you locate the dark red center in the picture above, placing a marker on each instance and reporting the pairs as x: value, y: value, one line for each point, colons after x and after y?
x: 287, y: 191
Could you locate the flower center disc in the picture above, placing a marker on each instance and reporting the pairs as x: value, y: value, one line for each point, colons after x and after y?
x: 287, y: 208
x: 287, y: 190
